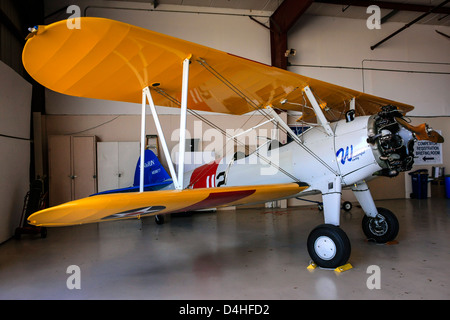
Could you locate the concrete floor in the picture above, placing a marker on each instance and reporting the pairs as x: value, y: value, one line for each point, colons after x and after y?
x: 242, y: 254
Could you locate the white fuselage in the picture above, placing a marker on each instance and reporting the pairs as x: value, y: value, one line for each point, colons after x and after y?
x: 318, y: 161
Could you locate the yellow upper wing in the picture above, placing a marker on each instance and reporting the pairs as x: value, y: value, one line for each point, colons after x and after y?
x: 111, y: 60
x: 117, y: 206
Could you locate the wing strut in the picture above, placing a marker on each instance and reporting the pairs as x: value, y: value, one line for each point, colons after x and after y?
x: 289, y: 131
x: 182, y: 144
x: 147, y: 96
x: 318, y: 110
x: 353, y: 104
x: 143, y: 136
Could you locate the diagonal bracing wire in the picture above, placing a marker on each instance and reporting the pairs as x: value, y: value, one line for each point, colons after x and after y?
x: 235, y: 89
x: 223, y: 132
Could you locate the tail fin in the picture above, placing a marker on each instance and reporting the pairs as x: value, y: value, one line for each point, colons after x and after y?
x: 154, y: 172
x: 155, y: 176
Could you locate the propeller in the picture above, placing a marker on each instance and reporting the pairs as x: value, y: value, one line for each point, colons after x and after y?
x: 422, y: 131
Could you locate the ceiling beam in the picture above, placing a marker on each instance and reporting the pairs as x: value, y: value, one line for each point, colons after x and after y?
x: 281, y: 21
x: 386, y: 5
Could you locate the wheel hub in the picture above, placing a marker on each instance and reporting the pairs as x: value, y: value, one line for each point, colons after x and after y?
x: 325, y: 248
x: 378, y: 226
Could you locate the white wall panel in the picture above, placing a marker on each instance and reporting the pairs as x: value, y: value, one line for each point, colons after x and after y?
x: 15, y: 114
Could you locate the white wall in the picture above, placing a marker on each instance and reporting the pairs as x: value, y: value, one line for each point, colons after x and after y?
x: 15, y: 112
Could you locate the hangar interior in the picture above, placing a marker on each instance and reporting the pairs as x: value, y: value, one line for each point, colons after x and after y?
x: 253, y: 252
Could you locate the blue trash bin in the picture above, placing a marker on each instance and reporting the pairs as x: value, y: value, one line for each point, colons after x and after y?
x: 447, y: 186
x: 419, y: 184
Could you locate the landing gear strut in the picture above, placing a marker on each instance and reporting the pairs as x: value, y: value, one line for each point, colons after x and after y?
x: 378, y: 224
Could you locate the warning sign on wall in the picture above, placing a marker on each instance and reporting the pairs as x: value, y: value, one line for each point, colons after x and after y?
x: 427, y: 152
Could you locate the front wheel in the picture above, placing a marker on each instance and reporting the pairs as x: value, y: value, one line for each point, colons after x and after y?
x: 329, y: 246
x: 383, y: 228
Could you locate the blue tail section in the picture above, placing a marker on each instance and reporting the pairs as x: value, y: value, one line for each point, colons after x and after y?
x: 155, y: 176
x: 153, y: 170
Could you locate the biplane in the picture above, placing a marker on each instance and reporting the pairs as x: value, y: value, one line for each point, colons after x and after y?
x: 353, y: 136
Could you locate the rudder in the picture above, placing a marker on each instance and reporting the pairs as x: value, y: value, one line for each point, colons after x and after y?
x: 154, y: 172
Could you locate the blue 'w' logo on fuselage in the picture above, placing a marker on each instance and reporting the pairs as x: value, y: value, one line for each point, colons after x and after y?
x: 345, y: 155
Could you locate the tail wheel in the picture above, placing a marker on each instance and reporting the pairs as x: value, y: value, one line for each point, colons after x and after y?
x: 383, y: 228
x: 347, y: 206
x: 329, y: 246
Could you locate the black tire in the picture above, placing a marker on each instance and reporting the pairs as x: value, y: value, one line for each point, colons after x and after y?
x: 159, y: 219
x: 329, y: 246
x: 347, y: 206
x: 383, y: 228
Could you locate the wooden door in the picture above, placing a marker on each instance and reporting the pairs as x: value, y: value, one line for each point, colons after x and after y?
x: 84, y: 166
x: 60, y: 172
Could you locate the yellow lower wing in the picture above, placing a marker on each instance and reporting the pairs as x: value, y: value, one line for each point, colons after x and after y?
x: 135, y: 205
